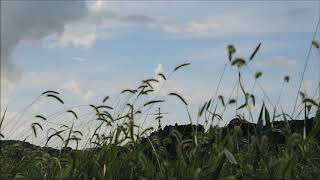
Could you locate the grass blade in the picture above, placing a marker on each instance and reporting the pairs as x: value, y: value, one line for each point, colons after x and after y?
x: 72, y: 112
x: 181, y: 65
x: 163, y: 76
x: 180, y: 97
x: 55, y: 97
x: 230, y: 156
x: 41, y: 117
x: 105, y: 99
x: 152, y: 102
x: 255, y: 52
x: 47, y: 92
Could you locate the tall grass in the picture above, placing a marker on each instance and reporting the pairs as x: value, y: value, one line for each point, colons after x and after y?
x: 118, y: 147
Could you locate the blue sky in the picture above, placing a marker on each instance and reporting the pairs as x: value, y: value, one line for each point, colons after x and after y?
x: 97, y: 48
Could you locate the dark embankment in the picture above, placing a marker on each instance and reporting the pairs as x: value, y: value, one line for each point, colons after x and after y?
x: 169, y: 135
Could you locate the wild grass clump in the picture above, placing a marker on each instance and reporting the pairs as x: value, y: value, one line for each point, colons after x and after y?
x: 121, y: 147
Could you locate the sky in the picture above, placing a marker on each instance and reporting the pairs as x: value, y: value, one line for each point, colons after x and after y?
x: 87, y: 50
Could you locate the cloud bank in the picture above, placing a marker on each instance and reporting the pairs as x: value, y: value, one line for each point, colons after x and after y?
x: 31, y: 21
x: 277, y: 61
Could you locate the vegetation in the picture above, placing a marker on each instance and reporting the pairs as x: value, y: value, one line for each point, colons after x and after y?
x: 119, y: 148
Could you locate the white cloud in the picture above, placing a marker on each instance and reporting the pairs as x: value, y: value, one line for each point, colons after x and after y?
x: 79, y: 59
x: 74, y: 87
x: 39, y: 79
x: 276, y: 61
x: 138, y: 18
x: 231, y: 24
x: 198, y: 27
x: 78, y: 39
x: 98, y: 6
x: 244, y: 18
x: 218, y: 52
x: 92, y: 27
x: 159, y: 69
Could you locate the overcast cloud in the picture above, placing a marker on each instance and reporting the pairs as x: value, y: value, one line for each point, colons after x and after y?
x: 29, y: 21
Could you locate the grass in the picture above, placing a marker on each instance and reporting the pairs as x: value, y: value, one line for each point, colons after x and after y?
x: 120, y: 148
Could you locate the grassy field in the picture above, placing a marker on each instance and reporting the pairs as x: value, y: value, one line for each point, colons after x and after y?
x: 247, y: 149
